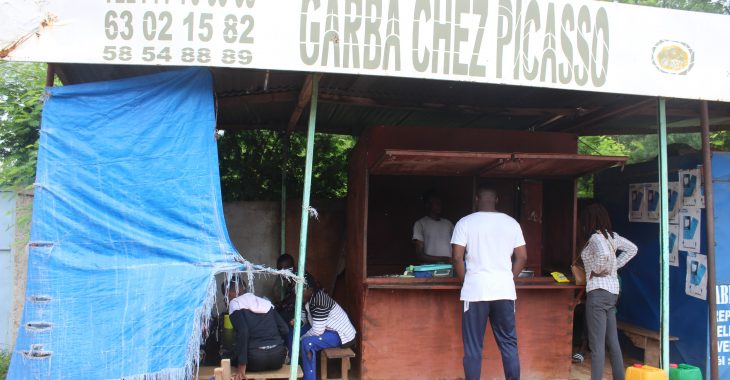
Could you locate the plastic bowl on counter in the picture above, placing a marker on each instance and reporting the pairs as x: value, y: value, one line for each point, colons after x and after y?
x: 526, y: 274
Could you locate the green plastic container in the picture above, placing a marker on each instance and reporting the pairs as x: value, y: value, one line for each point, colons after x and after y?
x: 684, y: 372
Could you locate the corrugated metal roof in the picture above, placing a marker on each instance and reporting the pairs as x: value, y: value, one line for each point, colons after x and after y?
x: 256, y: 99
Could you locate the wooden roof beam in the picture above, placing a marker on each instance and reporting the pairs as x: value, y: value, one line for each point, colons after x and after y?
x: 304, y: 98
x: 616, y: 112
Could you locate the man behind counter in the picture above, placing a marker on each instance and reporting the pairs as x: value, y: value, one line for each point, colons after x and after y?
x: 432, y: 233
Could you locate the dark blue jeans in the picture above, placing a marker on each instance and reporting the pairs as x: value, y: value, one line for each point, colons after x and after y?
x: 501, y: 314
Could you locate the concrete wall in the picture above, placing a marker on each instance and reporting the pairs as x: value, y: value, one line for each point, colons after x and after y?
x: 7, y: 236
x: 255, y: 230
x: 19, y: 261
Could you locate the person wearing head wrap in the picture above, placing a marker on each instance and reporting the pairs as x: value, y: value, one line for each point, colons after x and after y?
x: 327, y: 326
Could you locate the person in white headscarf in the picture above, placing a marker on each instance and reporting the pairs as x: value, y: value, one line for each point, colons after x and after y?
x: 260, y: 332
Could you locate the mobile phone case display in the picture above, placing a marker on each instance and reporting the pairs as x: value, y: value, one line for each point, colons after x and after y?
x: 691, y: 182
x: 675, y: 201
x: 637, y: 202
x: 696, y: 276
x: 651, y: 192
x: 674, y: 245
x: 689, y: 225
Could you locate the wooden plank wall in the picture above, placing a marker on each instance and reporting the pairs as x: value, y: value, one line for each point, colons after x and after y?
x: 355, y: 243
x: 559, y: 220
x: 416, y: 334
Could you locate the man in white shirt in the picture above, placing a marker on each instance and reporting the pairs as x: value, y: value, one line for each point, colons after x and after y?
x: 432, y: 233
x: 488, y: 239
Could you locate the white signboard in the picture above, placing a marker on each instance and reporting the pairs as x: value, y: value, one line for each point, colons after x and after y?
x: 580, y: 45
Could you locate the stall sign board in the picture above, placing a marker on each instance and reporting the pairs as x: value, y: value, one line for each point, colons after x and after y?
x: 578, y: 45
x: 723, y: 329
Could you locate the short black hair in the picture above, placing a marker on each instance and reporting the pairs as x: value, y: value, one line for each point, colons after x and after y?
x: 234, y: 280
x: 486, y: 187
x: 310, y: 282
x: 429, y: 195
x: 285, y: 258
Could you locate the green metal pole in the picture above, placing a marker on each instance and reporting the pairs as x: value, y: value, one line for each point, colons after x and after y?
x: 303, y: 229
x: 664, y: 232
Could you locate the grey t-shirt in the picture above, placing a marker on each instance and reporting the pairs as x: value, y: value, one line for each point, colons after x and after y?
x: 435, y: 235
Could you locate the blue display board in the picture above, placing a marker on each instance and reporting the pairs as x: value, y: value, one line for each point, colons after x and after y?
x: 640, y: 278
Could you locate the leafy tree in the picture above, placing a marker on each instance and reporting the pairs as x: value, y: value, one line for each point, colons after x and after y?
x: 708, y: 6
x: 251, y: 165
x: 21, y: 91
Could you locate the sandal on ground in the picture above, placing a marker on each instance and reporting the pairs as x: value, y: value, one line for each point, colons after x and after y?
x: 577, y: 358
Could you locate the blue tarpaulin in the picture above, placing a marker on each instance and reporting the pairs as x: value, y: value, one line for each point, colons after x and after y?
x: 127, y: 232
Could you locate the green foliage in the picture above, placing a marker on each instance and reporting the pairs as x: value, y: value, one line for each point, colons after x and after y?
x: 251, y: 165
x: 21, y: 90
x: 4, y: 363
x: 708, y: 6
x: 640, y: 148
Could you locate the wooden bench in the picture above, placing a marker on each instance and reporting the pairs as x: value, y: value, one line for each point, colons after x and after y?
x: 336, y: 353
x: 225, y: 371
x: 646, y: 339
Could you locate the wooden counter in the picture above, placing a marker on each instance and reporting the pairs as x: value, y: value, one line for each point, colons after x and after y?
x: 412, y: 329
x: 454, y: 283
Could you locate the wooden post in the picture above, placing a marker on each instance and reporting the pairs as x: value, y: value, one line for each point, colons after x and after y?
x: 226, y: 366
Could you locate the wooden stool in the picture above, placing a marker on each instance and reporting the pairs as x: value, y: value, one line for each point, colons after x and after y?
x: 224, y: 372
x: 336, y: 353
x: 646, y: 339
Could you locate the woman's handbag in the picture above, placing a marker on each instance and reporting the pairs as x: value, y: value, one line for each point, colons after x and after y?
x: 579, y: 273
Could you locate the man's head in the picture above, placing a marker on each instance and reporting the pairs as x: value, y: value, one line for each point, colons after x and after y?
x: 486, y: 198
x: 310, y: 285
x: 433, y: 204
x: 285, y: 261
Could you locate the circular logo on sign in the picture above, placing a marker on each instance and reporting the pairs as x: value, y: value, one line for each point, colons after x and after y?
x: 673, y: 57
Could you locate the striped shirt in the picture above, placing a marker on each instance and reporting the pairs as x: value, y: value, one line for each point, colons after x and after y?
x: 599, y: 253
x: 323, y: 313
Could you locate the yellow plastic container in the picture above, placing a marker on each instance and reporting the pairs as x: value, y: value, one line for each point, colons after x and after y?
x: 645, y: 372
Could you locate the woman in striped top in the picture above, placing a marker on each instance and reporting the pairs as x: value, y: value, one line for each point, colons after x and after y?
x: 328, y: 326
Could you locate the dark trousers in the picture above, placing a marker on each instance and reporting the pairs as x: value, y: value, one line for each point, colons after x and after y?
x: 501, y: 314
x: 266, y: 360
x: 602, y: 333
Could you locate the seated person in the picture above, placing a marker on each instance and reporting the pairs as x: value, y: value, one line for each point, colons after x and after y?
x: 260, y: 331
x: 284, y: 295
x: 328, y: 326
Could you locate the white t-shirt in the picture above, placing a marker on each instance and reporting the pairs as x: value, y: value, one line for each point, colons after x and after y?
x: 490, y: 239
x: 435, y: 235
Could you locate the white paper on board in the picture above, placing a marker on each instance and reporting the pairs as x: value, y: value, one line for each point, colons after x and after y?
x: 637, y: 202
x: 651, y: 193
x: 691, y: 183
x: 696, y: 283
x: 690, y: 225
x: 674, y: 245
x: 675, y: 201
